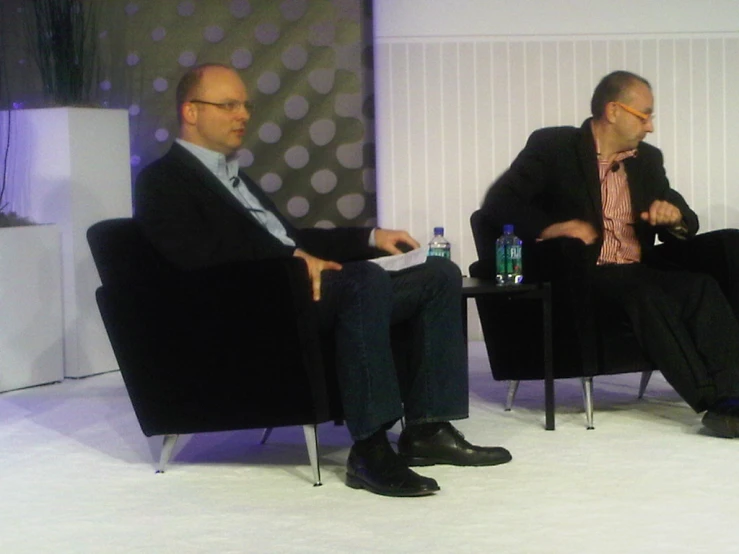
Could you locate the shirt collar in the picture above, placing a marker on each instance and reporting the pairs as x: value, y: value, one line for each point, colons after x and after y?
x: 216, y: 162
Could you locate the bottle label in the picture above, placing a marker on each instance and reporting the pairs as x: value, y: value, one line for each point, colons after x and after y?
x: 514, y: 259
x: 441, y: 253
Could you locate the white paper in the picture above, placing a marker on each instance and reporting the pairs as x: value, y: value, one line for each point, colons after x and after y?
x: 401, y: 261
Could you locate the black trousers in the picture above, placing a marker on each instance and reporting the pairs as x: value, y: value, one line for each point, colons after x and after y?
x: 684, y: 324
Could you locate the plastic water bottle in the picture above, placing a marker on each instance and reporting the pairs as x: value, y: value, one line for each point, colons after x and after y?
x: 508, y: 263
x: 439, y: 246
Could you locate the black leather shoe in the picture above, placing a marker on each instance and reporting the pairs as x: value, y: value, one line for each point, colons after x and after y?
x: 722, y: 423
x: 446, y: 445
x: 379, y: 470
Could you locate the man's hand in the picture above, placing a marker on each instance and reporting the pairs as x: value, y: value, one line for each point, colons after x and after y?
x: 388, y: 239
x: 662, y: 213
x: 315, y: 267
x: 574, y: 228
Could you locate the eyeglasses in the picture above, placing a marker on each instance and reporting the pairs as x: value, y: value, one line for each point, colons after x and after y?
x: 643, y: 117
x: 229, y: 107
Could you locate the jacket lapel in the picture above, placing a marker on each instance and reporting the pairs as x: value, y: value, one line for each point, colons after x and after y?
x: 209, y: 181
x: 588, y: 157
x: 636, y: 190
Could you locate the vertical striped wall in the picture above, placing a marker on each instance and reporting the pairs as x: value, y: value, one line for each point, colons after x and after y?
x: 452, y: 114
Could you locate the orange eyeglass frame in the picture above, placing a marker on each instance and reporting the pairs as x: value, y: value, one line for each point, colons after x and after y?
x: 645, y: 118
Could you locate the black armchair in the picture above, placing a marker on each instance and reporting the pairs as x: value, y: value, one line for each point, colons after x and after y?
x: 587, y: 341
x: 223, y: 348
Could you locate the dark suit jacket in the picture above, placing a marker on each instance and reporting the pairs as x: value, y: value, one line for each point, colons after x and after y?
x: 555, y: 179
x: 195, y: 222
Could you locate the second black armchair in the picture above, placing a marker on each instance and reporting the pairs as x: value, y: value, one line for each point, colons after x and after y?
x: 588, y: 339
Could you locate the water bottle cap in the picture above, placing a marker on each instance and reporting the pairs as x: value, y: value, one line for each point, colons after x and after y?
x: 438, y: 230
x: 508, y: 228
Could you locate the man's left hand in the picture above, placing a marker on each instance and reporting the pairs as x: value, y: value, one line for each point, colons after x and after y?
x: 662, y: 213
x: 388, y: 240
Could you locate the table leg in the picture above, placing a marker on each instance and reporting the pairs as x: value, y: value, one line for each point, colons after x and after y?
x: 548, y: 365
x: 464, y: 320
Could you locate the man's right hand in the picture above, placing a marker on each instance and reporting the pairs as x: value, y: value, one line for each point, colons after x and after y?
x: 315, y: 267
x: 574, y: 228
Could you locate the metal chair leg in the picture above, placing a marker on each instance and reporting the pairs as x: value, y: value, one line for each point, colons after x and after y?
x: 265, y: 435
x: 311, y: 441
x: 167, y: 447
x: 512, y: 389
x: 587, y: 393
x: 645, y: 376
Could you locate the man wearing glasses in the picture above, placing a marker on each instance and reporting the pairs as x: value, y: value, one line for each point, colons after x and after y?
x: 603, y: 185
x: 199, y: 209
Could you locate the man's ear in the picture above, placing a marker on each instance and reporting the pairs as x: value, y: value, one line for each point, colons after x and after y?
x: 610, y: 112
x: 189, y: 113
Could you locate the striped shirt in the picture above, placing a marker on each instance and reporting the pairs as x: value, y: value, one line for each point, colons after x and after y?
x: 620, y: 244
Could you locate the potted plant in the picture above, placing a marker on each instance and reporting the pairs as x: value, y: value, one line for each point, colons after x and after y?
x: 62, y: 37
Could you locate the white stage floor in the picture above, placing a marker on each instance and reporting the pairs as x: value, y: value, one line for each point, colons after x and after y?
x: 77, y: 476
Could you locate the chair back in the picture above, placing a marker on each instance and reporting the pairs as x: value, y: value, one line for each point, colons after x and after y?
x: 123, y: 255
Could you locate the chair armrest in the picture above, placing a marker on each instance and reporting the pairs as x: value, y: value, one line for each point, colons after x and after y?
x: 560, y: 260
x: 272, y: 300
x: 250, y: 282
x: 564, y: 262
x: 267, y: 303
x: 567, y: 264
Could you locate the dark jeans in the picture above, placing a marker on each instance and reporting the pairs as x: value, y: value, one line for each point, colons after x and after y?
x: 684, y: 324
x: 359, y: 305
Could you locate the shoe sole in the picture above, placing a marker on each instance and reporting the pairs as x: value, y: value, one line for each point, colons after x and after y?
x: 421, y: 462
x: 354, y: 482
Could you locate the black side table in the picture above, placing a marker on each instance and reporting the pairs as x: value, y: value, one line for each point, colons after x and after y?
x: 473, y: 287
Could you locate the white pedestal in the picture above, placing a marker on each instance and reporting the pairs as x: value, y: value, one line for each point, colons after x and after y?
x: 71, y: 166
x: 31, y: 332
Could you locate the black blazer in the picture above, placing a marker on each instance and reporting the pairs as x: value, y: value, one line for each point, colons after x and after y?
x: 190, y: 217
x: 555, y: 179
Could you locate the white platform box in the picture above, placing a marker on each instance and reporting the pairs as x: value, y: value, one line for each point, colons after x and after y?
x: 31, y: 329
x: 71, y: 166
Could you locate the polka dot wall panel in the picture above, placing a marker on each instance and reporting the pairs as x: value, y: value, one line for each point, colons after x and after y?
x: 307, y: 69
